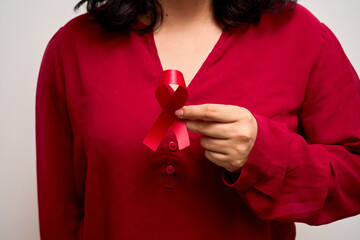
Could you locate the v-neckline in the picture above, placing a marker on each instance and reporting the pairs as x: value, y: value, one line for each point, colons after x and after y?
x: 200, y: 72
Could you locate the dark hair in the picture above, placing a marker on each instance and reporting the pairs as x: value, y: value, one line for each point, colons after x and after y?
x: 120, y: 15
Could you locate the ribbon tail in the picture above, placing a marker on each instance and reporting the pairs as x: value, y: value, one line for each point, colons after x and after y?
x: 181, y: 133
x: 158, y: 130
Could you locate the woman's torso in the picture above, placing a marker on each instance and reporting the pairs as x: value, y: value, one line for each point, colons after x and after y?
x: 111, y: 80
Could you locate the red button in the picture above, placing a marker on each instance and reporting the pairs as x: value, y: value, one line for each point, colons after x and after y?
x: 170, y: 170
x: 173, y: 146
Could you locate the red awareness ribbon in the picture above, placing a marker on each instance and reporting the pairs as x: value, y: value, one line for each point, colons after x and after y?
x: 169, y: 101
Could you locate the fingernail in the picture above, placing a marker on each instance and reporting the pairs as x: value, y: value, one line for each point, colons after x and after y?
x: 179, y: 113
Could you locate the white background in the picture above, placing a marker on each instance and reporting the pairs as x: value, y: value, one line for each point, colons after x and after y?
x: 25, y: 29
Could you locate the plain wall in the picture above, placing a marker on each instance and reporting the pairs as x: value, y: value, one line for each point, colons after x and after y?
x: 25, y: 29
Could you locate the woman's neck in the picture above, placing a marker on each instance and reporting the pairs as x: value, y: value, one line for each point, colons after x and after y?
x: 182, y: 13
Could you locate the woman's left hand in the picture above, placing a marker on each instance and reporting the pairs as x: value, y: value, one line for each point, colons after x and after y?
x: 229, y: 132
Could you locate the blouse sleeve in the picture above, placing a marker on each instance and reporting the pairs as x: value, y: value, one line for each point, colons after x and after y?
x: 312, y: 177
x: 60, y: 205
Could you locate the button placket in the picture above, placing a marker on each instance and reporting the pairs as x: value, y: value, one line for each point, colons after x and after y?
x: 170, y: 167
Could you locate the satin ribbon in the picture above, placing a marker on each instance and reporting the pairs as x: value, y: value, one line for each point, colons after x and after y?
x: 169, y: 101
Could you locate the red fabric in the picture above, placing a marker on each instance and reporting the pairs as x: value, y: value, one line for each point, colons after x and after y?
x: 95, y: 103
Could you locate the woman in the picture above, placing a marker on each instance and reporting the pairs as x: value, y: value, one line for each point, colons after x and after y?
x: 273, y: 110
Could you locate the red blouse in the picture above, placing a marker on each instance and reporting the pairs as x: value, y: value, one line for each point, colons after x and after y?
x: 95, y: 103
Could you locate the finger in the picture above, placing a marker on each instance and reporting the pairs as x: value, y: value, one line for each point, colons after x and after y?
x: 222, y: 160
x: 211, y: 112
x: 211, y: 129
x: 215, y: 145
x: 216, y: 158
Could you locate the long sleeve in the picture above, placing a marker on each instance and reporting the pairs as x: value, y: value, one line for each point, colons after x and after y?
x: 312, y: 176
x: 59, y: 201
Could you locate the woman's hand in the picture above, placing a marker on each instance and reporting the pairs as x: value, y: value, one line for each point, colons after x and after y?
x: 229, y: 132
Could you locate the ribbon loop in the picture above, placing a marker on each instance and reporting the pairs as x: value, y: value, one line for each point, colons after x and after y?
x: 170, y: 101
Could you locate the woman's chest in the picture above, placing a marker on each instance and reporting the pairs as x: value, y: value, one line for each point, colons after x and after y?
x: 186, y: 51
x: 112, y: 99
x: 124, y: 103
